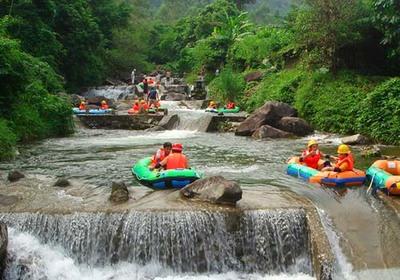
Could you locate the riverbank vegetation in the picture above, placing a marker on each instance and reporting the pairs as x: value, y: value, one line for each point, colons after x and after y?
x: 335, y: 61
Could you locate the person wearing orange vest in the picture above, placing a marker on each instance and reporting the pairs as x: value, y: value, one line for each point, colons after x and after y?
x: 104, y: 105
x: 311, y: 155
x: 161, y: 154
x: 344, y: 161
x: 143, y: 107
x: 82, y: 106
x: 136, y: 106
x: 176, y: 160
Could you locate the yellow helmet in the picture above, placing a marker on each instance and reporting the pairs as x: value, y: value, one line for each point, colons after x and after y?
x: 343, y: 149
x: 82, y: 101
x: 212, y: 103
x: 312, y: 142
x: 103, y: 102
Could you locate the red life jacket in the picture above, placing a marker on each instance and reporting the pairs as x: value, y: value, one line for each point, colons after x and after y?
x: 312, y: 161
x: 176, y: 161
x: 82, y: 107
x: 135, y: 107
x: 230, y: 105
x: 349, y: 160
x: 104, y: 107
x: 159, y: 156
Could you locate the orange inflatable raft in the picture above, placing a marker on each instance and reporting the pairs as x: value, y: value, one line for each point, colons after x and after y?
x: 326, y: 178
x: 385, y: 174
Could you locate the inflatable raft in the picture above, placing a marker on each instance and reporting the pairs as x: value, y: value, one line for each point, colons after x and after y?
x: 223, y: 110
x: 77, y: 111
x: 385, y: 175
x: 327, y: 178
x: 161, y: 180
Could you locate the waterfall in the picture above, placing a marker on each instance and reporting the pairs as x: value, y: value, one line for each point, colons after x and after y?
x: 110, y: 92
x: 259, y: 241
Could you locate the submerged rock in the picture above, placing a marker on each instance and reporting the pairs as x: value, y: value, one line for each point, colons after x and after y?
x: 3, y: 248
x: 119, y: 192
x: 294, y: 125
x: 269, y: 114
x: 371, y: 151
x: 15, y: 175
x: 62, y: 182
x: 267, y: 131
x: 357, y: 139
x: 215, y: 189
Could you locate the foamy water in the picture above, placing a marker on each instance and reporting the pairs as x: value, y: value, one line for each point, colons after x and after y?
x: 42, y: 261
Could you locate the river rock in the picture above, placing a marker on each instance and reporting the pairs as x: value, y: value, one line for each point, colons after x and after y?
x: 3, y: 247
x: 15, y: 175
x: 96, y: 100
x: 119, y: 192
x: 215, y: 189
x: 294, y: 125
x: 62, y: 183
x: 121, y: 106
x: 270, y: 113
x: 356, y: 139
x: 253, y: 76
x: 168, y: 122
x: 267, y: 131
x: 371, y: 151
x: 174, y: 96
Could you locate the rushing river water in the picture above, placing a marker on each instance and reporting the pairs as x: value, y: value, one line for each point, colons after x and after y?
x: 364, y: 234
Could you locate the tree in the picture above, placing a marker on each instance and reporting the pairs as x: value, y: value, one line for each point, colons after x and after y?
x: 387, y: 18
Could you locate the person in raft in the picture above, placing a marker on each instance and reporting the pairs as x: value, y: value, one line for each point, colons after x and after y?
x: 161, y: 154
x: 136, y: 106
x: 212, y: 105
x: 311, y: 155
x: 82, y: 105
x: 175, y: 160
x: 143, y: 107
x: 230, y: 105
x: 344, y: 161
x: 104, y: 105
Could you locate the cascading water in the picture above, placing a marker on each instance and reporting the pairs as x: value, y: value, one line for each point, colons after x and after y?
x: 178, y: 241
x: 110, y: 92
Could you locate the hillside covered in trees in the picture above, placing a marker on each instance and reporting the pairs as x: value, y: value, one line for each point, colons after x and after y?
x: 336, y: 61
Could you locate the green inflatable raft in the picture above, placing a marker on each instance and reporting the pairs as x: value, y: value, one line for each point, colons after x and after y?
x: 165, y: 179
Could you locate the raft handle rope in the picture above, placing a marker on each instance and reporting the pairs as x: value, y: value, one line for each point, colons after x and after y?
x: 370, y: 185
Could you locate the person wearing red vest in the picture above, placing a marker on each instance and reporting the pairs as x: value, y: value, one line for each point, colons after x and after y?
x: 176, y: 160
x: 82, y: 106
x: 136, y: 106
x: 230, y: 105
x: 311, y: 155
x: 344, y: 161
x: 161, y: 154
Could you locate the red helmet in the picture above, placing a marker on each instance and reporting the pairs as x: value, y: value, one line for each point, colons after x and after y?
x: 177, y: 147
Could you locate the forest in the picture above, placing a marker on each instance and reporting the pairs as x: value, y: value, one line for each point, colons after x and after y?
x: 336, y: 61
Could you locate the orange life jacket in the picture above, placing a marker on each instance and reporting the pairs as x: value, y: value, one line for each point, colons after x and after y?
x: 176, y: 161
x: 350, y: 163
x: 82, y: 107
x: 104, y: 107
x: 135, y: 107
x: 311, y: 161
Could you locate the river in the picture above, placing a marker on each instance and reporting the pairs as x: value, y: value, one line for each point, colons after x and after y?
x: 363, y: 232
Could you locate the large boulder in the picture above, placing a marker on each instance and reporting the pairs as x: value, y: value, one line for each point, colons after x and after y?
x: 15, y: 175
x: 253, y: 76
x: 174, y: 96
x: 357, y: 139
x: 96, y: 100
x: 168, y: 122
x: 269, y: 114
x: 214, y: 189
x: 294, y: 125
x: 267, y: 131
x: 119, y: 192
x: 3, y: 247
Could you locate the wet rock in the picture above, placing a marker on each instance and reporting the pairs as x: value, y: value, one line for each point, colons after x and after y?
x: 371, y: 151
x: 294, y: 125
x: 215, y: 189
x: 357, y: 139
x: 253, y: 76
x: 267, y: 131
x: 15, y: 175
x: 96, y: 100
x: 123, y: 106
x: 270, y: 113
x: 169, y: 121
x: 3, y: 247
x: 62, y: 183
x: 174, y: 96
x: 119, y: 192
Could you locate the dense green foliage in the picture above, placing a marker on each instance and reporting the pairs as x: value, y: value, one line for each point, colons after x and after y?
x: 228, y: 85
x: 8, y: 141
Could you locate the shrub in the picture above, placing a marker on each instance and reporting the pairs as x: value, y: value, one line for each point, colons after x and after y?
x: 228, y: 86
x: 380, y: 114
x: 7, y: 141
